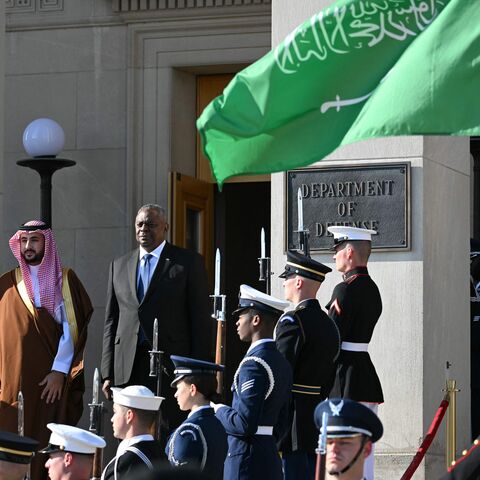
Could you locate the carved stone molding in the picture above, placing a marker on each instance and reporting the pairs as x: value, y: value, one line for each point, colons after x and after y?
x: 32, y: 6
x: 146, y: 5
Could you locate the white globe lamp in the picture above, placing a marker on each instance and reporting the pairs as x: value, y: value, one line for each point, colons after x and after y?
x: 43, y: 138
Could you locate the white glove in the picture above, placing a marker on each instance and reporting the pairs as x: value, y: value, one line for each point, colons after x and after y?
x: 216, y: 406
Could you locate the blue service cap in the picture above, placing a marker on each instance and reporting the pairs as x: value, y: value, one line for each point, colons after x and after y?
x: 298, y: 264
x: 347, y: 418
x: 185, y: 366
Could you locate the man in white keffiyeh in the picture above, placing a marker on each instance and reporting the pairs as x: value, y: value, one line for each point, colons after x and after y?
x: 44, y: 312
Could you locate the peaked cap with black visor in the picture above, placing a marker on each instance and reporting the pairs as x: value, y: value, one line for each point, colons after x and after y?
x: 347, y: 418
x: 185, y: 367
x: 249, y: 297
x: 299, y: 264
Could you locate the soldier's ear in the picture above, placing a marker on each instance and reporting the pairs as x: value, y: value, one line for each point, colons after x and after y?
x: 193, y: 389
x: 129, y: 415
x: 367, y: 450
x: 256, y: 320
x: 67, y: 459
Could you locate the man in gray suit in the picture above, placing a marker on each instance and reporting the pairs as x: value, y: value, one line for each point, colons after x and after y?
x: 156, y: 280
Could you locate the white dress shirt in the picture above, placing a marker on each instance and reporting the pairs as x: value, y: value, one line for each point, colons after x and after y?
x: 63, y: 359
x: 155, y: 257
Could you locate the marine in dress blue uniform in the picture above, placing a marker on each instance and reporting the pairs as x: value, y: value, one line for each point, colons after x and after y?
x: 310, y: 341
x: 351, y: 429
x: 261, y: 393
x: 355, y: 307
x: 200, y: 441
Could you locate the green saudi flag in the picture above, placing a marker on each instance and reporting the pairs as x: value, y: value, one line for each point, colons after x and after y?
x: 358, y: 69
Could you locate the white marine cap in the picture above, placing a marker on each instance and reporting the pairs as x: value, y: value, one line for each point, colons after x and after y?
x: 66, y: 438
x: 342, y: 234
x: 248, y: 297
x: 136, y: 396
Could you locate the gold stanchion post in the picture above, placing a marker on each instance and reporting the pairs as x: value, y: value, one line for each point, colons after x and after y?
x: 451, y: 427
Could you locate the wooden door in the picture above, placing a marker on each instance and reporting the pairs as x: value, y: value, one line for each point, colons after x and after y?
x: 208, y: 87
x: 191, y: 211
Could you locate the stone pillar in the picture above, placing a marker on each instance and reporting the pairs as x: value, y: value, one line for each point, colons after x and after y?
x: 425, y: 291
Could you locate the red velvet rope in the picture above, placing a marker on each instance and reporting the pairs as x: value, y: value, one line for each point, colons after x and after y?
x: 432, y: 431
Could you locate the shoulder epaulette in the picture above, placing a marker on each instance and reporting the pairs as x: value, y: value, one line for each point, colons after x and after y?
x: 288, y: 316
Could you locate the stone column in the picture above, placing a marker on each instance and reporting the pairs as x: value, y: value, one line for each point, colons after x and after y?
x: 425, y: 291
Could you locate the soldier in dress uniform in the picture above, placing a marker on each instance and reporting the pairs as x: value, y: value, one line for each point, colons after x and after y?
x: 352, y: 428
x: 310, y: 341
x: 70, y: 450
x: 468, y: 466
x: 135, y: 410
x: 261, y: 392
x: 16, y: 453
x: 355, y: 307
x: 200, y: 441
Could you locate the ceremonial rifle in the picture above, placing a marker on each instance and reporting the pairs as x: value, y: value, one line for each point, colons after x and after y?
x: 156, y: 369
x: 219, y: 314
x: 264, y: 264
x: 21, y: 423
x: 96, y: 425
x: 21, y: 414
x: 321, y: 451
x: 303, y: 233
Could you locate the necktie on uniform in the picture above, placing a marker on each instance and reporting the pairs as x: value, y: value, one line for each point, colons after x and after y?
x: 144, y: 276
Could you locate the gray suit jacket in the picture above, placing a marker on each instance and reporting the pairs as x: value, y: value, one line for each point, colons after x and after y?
x: 177, y: 296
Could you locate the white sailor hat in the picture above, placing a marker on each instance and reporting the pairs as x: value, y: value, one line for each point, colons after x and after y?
x: 136, y: 396
x: 342, y: 234
x: 65, y: 438
x: 248, y: 297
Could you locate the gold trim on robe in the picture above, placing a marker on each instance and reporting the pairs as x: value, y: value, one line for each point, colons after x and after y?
x: 67, y: 301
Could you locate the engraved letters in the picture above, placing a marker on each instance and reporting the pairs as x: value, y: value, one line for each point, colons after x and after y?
x: 374, y: 197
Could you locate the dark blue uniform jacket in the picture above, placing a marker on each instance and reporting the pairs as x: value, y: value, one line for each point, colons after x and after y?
x: 261, y: 395
x: 200, y: 441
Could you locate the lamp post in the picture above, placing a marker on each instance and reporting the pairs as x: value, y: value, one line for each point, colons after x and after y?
x: 43, y: 139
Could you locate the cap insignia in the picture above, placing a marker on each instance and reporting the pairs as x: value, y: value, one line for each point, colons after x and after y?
x: 336, y: 409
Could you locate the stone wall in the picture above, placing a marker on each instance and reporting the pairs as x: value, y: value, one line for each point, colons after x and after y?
x: 120, y: 79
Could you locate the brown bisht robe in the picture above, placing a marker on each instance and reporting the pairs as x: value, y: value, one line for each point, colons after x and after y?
x: 28, y: 345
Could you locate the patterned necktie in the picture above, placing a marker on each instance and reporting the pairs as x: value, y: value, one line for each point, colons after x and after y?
x: 144, y: 276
